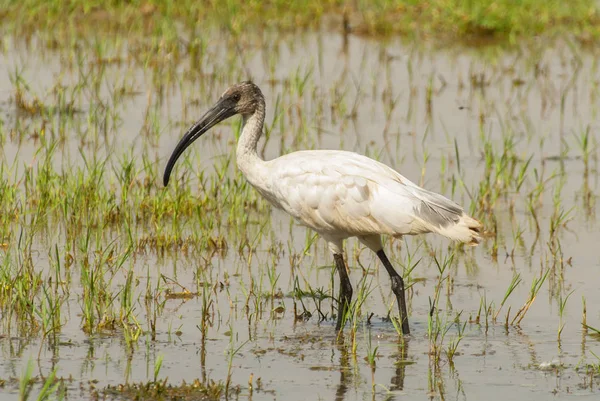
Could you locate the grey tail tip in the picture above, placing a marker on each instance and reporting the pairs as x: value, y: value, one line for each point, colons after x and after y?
x: 476, y: 231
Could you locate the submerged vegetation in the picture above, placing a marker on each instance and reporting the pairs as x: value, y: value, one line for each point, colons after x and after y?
x: 502, y: 19
x: 115, y: 287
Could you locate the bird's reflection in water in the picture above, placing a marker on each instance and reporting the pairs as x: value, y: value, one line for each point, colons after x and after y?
x: 345, y: 373
x: 397, y: 382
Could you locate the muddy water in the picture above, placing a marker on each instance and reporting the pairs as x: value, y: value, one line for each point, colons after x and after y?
x: 541, y: 97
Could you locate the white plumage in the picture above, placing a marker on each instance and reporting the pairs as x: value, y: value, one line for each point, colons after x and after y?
x: 342, y: 194
x: 336, y: 193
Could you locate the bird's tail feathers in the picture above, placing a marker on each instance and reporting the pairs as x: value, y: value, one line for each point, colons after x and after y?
x: 466, y: 229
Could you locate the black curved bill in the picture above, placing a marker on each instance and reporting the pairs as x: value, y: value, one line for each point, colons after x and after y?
x: 219, y: 112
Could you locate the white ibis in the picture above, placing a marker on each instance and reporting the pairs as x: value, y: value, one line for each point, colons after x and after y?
x: 336, y: 193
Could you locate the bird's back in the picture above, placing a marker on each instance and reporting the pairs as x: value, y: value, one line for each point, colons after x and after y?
x: 346, y: 194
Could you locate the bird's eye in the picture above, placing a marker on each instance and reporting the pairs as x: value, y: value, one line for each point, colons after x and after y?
x: 236, y: 97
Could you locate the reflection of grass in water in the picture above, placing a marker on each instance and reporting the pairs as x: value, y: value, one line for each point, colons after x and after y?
x: 108, y: 206
x: 475, y: 18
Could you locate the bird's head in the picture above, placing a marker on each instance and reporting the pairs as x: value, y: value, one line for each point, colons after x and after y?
x: 242, y: 98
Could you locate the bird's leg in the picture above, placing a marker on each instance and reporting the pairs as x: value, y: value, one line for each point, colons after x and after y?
x: 345, y: 294
x: 397, y: 289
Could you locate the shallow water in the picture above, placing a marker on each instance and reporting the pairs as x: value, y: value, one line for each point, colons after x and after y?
x: 539, y: 97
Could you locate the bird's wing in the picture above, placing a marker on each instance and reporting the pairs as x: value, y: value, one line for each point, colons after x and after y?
x: 343, y: 192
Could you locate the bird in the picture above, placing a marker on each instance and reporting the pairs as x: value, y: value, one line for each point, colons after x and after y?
x: 338, y: 194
